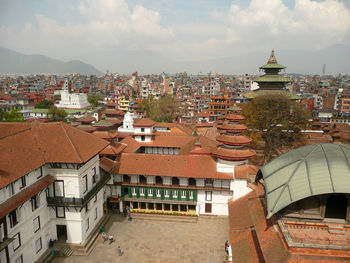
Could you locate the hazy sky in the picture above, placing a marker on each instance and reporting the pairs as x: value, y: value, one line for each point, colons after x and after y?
x: 177, y: 29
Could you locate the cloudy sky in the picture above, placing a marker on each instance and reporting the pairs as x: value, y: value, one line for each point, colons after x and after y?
x: 176, y: 29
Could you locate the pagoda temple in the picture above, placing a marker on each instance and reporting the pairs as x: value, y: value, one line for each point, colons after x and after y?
x: 271, y: 82
x: 232, y: 143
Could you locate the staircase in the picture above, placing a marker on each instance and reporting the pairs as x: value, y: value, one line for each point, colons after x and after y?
x: 168, y: 218
x: 66, y: 251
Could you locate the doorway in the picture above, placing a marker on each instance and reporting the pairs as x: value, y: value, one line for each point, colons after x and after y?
x: 61, y: 232
x: 208, y: 208
x: 336, y: 206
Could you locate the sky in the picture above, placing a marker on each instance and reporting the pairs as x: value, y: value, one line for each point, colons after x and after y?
x: 180, y: 30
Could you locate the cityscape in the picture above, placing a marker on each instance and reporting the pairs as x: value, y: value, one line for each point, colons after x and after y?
x: 145, y: 131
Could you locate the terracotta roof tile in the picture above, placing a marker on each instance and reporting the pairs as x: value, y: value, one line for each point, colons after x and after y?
x: 233, y: 154
x: 109, y: 165
x: 232, y: 127
x: 106, y: 135
x: 234, y: 117
x: 144, y: 122
x: 245, y: 170
x: 234, y: 140
x: 131, y: 145
x: 25, y: 150
x: 87, y: 118
x: 171, y: 165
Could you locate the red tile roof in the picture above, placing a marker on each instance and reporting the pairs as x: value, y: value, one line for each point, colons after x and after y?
x: 26, y: 147
x: 233, y: 127
x: 106, y: 135
x: 109, y: 165
x: 233, y: 154
x: 234, y: 117
x: 87, y: 119
x: 234, y: 140
x: 24, y: 195
x: 145, y: 122
x: 245, y: 170
x: 197, y: 166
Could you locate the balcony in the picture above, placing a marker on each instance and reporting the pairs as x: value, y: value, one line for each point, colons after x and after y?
x: 79, y: 202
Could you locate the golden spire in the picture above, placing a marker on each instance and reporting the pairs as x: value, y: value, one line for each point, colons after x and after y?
x: 272, y: 59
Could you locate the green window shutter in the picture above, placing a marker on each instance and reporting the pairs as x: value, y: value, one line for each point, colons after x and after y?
x: 146, y: 192
x: 138, y: 192
x: 187, y: 195
x: 195, y: 195
x: 129, y: 192
x: 178, y: 194
x: 154, y: 193
x: 171, y: 195
x: 162, y: 194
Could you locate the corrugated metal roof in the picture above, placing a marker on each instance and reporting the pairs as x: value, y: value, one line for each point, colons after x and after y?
x: 310, y: 170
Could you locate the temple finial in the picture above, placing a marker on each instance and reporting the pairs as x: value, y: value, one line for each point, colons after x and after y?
x: 272, y: 59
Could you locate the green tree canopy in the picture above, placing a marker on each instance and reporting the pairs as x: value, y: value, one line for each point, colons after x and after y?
x: 45, y: 104
x: 275, y: 119
x: 94, y: 99
x: 55, y: 114
x: 161, y: 110
x: 11, y: 116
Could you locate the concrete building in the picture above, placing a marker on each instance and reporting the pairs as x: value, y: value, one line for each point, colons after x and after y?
x: 51, y: 188
x: 72, y: 100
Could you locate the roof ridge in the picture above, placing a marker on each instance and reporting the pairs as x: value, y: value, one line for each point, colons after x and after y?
x: 29, y: 128
x: 75, y: 149
x: 42, y: 151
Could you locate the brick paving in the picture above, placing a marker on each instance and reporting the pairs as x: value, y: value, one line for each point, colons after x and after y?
x: 149, y: 241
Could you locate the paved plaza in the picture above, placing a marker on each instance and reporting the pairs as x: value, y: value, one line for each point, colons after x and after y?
x: 150, y: 241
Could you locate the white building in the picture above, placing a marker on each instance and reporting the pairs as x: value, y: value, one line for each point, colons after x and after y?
x: 72, y: 100
x: 51, y: 188
x: 175, y: 174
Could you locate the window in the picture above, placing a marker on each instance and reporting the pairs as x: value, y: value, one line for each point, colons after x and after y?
x: 142, y: 129
x: 60, y: 212
x: 17, y: 241
x: 191, y: 194
x: 34, y: 202
x: 183, y: 193
x: 38, y: 245
x: 94, y: 176
x: 208, y: 196
x: 150, y: 191
x: 142, y: 191
x: 158, y: 192
x: 96, y: 215
x: 36, y: 224
x: 143, y: 138
x: 11, y: 189
x: 19, y: 259
x: 175, y: 193
x: 23, y: 182
x: 13, y: 218
x: 208, y: 182
x: 85, y: 183
x: 133, y: 191
x: 87, y: 224
x: 56, y: 165
x: 166, y: 192
x: 41, y: 173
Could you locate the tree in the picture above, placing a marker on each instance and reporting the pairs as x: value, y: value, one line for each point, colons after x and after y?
x: 55, y: 114
x: 12, y: 116
x: 161, y: 110
x: 93, y: 99
x: 45, y: 104
x: 275, y: 119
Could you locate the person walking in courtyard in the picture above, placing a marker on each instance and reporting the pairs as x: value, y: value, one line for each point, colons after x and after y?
x: 119, y: 251
x: 226, y: 247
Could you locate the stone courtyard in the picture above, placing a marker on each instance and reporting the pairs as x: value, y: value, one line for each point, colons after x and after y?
x: 151, y: 241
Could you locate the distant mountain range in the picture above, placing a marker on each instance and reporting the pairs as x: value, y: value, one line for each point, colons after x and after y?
x: 336, y: 58
x: 15, y: 62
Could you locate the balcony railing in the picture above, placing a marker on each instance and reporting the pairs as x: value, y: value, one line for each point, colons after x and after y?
x: 79, y: 202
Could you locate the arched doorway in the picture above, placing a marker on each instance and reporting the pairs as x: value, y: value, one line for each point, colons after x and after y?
x: 336, y: 206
